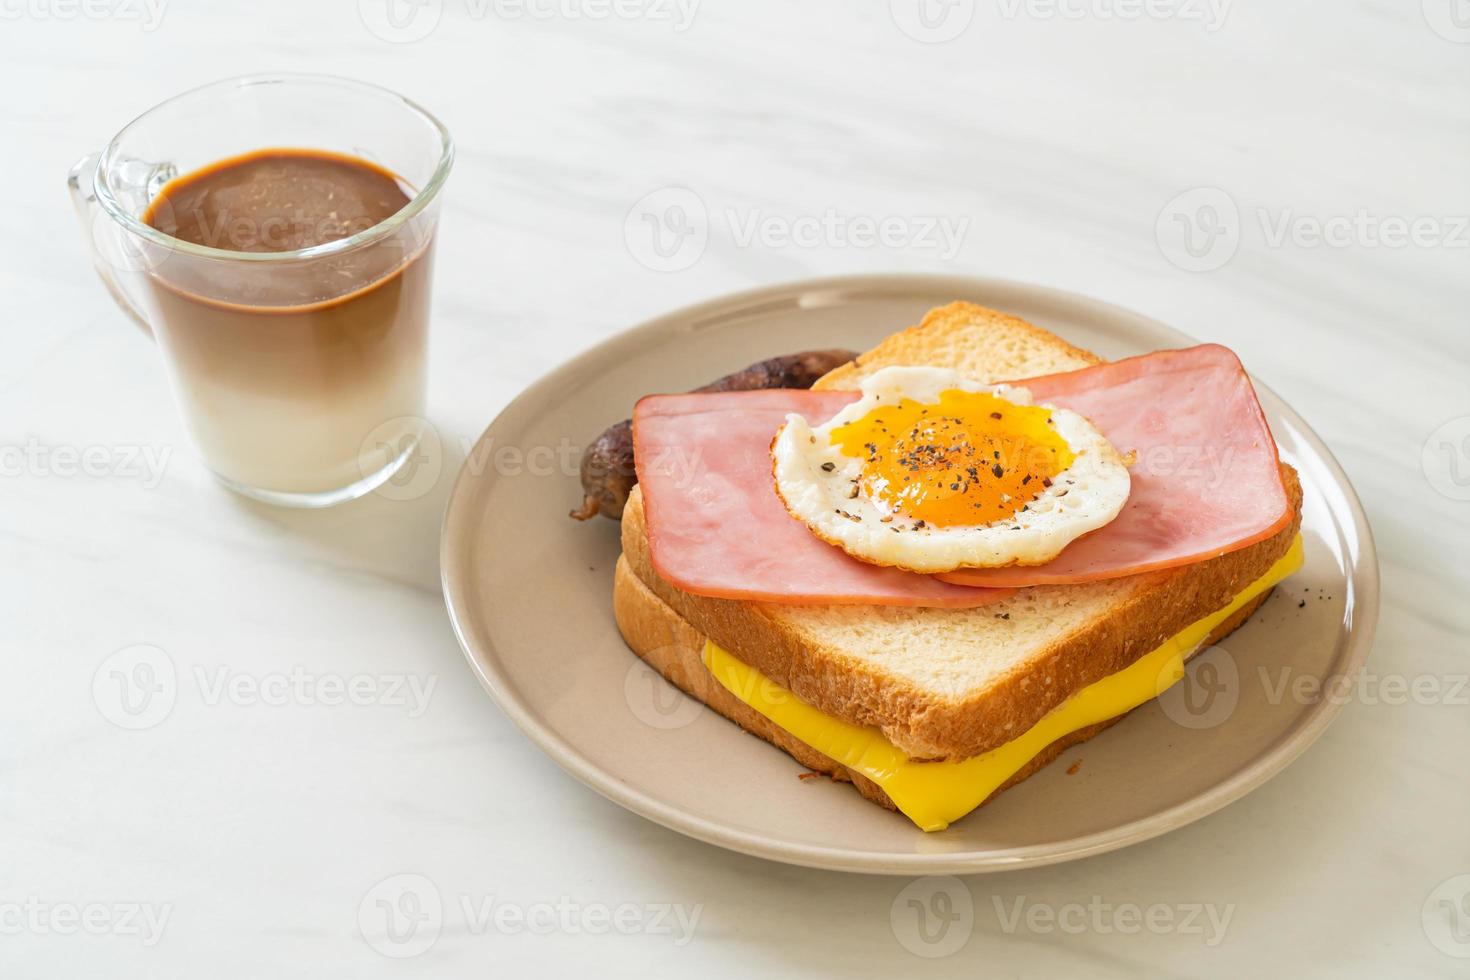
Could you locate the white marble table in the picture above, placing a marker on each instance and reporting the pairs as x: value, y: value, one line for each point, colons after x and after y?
x: 243, y: 833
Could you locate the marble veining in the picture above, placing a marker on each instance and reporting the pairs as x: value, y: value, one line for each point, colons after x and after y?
x: 1235, y: 169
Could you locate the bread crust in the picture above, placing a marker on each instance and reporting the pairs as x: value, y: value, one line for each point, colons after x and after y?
x: 1141, y: 611
x: 946, y: 336
x: 926, y: 724
x: 668, y: 644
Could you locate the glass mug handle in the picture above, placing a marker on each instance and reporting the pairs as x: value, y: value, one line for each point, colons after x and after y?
x: 112, y: 247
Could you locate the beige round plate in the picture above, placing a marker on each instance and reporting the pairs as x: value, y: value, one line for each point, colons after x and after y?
x: 530, y: 594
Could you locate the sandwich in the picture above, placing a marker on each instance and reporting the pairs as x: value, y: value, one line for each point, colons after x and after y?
x: 956, y: 555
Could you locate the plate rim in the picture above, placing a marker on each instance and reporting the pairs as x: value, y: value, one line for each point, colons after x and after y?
x: 1362, y: 574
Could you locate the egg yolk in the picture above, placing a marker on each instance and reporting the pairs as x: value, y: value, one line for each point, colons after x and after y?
x: 971, y: 459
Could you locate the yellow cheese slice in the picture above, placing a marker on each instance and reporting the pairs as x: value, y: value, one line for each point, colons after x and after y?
x: 934, y: 794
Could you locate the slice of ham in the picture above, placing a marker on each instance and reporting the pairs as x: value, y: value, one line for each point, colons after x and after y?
x: 1206, y: 480
x: 716, y: 526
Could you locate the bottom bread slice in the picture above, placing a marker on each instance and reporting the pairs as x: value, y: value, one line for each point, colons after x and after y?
x: 668, y: 644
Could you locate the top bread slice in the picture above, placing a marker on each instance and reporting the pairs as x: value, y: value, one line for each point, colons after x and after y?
x: 978, y: 343
x: 953, y: 683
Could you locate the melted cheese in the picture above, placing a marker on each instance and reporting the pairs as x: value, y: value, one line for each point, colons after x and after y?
x: 933, y: 794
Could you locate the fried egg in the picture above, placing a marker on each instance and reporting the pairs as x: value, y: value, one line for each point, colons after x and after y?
x: 931, y: 471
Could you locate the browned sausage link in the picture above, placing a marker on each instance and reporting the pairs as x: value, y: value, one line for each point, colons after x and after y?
x: 607, y: 466
x: 792, y: 371
x: 607, y: 473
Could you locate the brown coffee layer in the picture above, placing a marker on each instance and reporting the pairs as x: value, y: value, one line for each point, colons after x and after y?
x: 290, y: 328
x: 276, y: 200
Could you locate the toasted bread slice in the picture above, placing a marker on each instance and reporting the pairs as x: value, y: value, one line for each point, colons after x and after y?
x: 946, y: 683
x: 977, y: 342
x: 672, y: 647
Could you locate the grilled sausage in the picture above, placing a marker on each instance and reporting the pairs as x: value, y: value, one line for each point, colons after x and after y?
x: 607, y: 466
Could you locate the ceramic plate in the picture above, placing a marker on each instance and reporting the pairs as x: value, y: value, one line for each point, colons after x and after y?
x: 530, y: 594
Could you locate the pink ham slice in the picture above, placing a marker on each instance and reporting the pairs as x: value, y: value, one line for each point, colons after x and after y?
x: 716, y: 526
x: 1206, y: 481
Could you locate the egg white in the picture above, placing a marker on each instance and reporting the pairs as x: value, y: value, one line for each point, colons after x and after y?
x: 1083, y: 497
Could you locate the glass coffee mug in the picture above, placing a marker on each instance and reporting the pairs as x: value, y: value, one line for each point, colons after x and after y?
x: 275, y: 236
